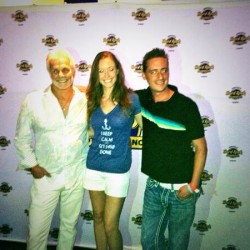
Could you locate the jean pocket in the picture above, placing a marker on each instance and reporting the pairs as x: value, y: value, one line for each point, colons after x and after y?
x: 189, y: 198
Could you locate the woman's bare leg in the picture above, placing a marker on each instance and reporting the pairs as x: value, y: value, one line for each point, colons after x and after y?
x: 98, y: 199
x: 113, y: 208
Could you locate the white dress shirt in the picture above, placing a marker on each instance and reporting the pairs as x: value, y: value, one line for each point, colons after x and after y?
x: 45, y: 137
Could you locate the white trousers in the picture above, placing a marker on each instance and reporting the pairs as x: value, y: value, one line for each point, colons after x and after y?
x: 44, y: 198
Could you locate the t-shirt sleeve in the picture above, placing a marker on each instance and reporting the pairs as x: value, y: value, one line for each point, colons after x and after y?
x: 196, y: 127
x: 136, y: 106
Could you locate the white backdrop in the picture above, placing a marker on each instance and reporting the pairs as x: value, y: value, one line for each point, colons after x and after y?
x: 209, y: 49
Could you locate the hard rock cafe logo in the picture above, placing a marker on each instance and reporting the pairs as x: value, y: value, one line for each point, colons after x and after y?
x: 5, y: 188
x: 171, y: 41
x: 138, y: 68
x: 54, y: 233
x: 140, y: 15
x: 19, y: 16
x: 136, y: 136
x: 50, y: 41
x: 236, y: 93
x: 204, y: 67
x: 2, y: 90
x: 26, y: 211
x: 24, y: 66
x: 206, y: 122
x: 137, y: 219
x: 230, y: 247
x: 83, y: 66
x: 4, y: 142
x: 232, y: 204
x: 111, y: 40
x: 206, y: 176
x: 87, y: 216
x: 5, y: 229
x: 1, y: 41
x: 81, y: 16
x: 202, y: 226
x: 232, y: 152
x: 207, y: 14
x: 240, y: 39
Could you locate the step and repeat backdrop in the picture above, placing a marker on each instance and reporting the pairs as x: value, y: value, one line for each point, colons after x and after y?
x: 209, y: 50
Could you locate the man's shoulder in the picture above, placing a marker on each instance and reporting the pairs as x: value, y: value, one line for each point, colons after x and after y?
x: 141, y: 92
x: 81, y: 88
x: 37, y: 93
x: 185, y: 98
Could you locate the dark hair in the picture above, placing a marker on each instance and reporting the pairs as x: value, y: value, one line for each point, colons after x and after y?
x: 156, y: 52
x: 95, y: 89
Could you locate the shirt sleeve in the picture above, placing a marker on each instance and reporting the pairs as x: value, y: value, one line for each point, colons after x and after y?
x: 24, y: 137
x: 136, y: 104
x: 195, y: 125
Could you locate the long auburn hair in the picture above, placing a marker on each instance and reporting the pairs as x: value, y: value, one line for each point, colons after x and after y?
x: 94, y: 90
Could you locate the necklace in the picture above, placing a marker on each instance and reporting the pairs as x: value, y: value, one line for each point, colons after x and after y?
x: 64, y: 98
x: 65, y: 103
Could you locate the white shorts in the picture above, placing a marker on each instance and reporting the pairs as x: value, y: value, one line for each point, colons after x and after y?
x: 115, y: 185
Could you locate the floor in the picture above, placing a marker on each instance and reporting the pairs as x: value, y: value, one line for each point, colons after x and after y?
x: 9, y: 245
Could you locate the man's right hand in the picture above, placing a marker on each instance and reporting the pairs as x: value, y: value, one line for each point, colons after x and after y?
x: 39, y: 172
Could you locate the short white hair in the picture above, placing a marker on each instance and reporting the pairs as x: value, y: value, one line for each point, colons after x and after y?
x: 59, y: 53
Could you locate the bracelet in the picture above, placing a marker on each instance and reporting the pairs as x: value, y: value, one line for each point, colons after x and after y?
x: 193, y: 188
x: 189, y: 189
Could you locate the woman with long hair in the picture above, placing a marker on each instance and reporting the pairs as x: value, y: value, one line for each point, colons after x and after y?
x: 112, y: 109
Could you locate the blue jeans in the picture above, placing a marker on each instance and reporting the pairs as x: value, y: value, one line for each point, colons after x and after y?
x: 161, y: 209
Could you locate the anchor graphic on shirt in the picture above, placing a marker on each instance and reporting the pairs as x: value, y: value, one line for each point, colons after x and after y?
x: 106, y: 127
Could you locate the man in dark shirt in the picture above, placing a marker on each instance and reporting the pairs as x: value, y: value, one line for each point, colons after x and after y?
x: 173, y: 157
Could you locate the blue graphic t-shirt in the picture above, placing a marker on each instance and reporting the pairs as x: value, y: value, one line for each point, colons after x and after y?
x: 110, y: 149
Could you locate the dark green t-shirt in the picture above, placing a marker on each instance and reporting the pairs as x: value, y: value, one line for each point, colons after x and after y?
x: 168, y: 129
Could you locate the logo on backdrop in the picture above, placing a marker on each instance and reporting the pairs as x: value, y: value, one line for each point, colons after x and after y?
x: 232, y: 204
x: 19, y: 16
x: 233, y: 152
x: 5, y: 229
x: 137, y: 220
x: 24, y: 66
x: 87, y: 216
x: 137, y: 67
x: 230, y: 247
x: 1, y: 41
x: 204, y: 68
x: 205, y: 177
x: 207, y: 14
x: 136, y: 136
x: 201, y: 226
x: 171, y: 41
x: 4, y: 142
x: 206, y: 122
x: 5, y: 188
x: 83, y: 66
x: 81, y: 16
x: 235, y: 94
x: 239, y: 39
x: 50, y: 41
x: 2, y: 90
x: 26, y: 211
x: 140, y: 15
x: 54, y: 233
x: 111, y: 40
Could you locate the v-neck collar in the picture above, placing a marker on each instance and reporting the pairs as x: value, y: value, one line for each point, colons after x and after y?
x: 109, y: 111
